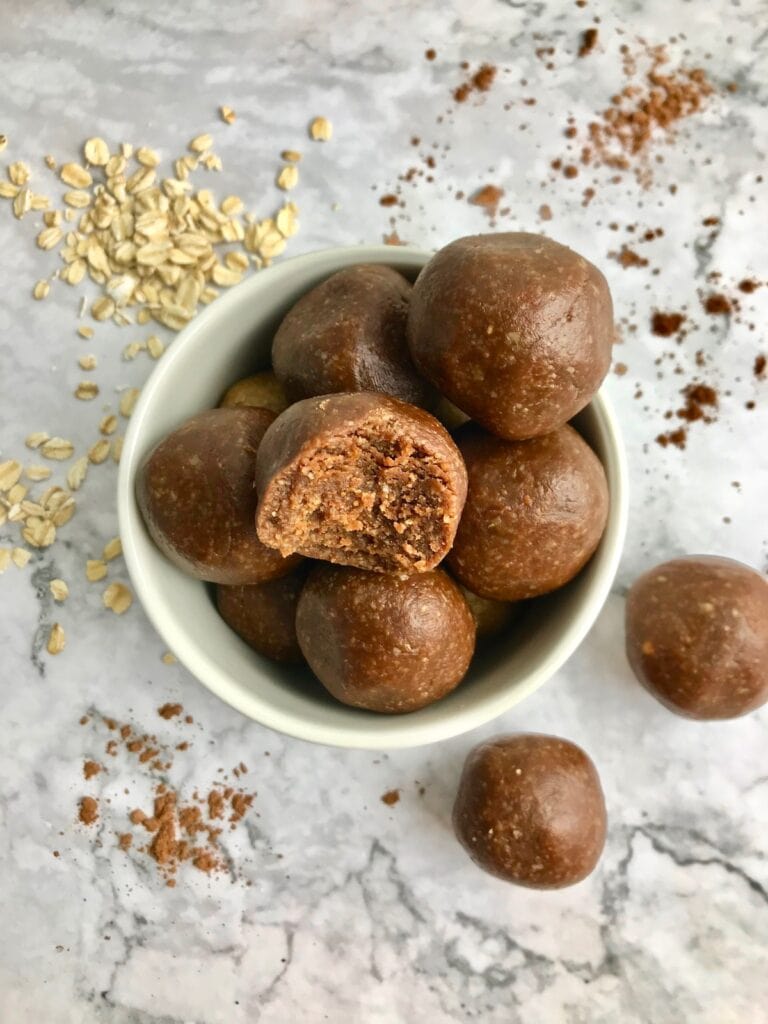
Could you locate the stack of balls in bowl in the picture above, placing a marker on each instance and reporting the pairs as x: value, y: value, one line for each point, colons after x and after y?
x: 384, y: 498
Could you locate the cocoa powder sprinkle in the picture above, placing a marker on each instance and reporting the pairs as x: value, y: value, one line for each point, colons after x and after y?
x: 89, y: 810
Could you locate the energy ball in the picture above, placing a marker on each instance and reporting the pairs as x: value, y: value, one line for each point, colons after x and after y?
x: 530, y: 810
x: 196, y: 494
x: 534, y: 514
x: 360, y: 479
x: 514, y: 329
x: 260, y: 391
x: 385, y: 643
x: 348, y: 334
x: 491, y: 617
x: 697, y: 636
x: 264, y: 614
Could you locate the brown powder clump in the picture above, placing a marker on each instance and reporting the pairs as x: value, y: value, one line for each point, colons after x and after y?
x: 545, y: 212
x: 125, y: 841
x: 628, y: 258
x: 215, y: 804
x: 588, y: 41
x: 675, y: 437
x: 698, y: 399
x: 717, y: 305
x: 759, y: 367
x: 89, y: 810
x: 664, y: 325
x: 388, y: 200
x: 91, y: 768
x: 748, y: 285
x: 489, y: 197
x: 391, y: 797
x: 650, y: 103
x: 169, y: 711
x: 481, y: 81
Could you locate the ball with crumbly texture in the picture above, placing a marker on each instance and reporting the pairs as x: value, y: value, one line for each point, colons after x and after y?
x: 534, y: 514
x: 385, y: 643
x: 259, y: 391
x: 515, y: 329
x: 530, y: 810
x: 196, y: 493
x: 264, y: 614
x: 348, y: 334
x: 697, y: 636
x: 360, y: 479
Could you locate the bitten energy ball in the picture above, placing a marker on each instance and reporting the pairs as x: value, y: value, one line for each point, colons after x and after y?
x: 264, y: 614
x: 534, y: 514
x: 196, y: 493
x: 348, y: 334
x: 260, y: 391
x: 385, y: 643
x: 697, y: 636
x: 514, y: 329
x: 360, y: 479
x: 530, y: 810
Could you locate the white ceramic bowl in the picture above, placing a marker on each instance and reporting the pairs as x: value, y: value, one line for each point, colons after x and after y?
x: 231, y: 339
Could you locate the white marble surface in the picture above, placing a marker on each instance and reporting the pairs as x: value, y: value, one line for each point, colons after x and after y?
x: 356, y: 911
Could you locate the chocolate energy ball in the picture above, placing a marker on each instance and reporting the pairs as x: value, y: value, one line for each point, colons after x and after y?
x: 697, y: 636
x: 360, y: 479
x: 264, y: 614
x: 491, y: 617
x: 534, y: 514
x: 385, y: 643
x: 514, y: 329
x: 530, y: 810
x: 348, y: 334
x: 260, y: 391
x: 196, y: 493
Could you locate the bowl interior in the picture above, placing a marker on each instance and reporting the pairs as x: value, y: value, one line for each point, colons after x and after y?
x: 231, y: 339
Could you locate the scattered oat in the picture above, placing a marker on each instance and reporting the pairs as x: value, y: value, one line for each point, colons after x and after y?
x: 108, y: 424
x: 59, y: 590
x: 41, y: 289
x: 87, y: 362
x: 169, y: 659
x: 3, y: 142
x: 99, y: 451
x: 117, y: 448
x: 49, y: 238
x: 18, y: 173
x: 77, y: 472
x: 200, y: 143
x: 87, y: 390
x: 288, y: 177
x: 37, y: 473
x: 10, y: 471
x: 128, y: 401
x: 75, y: 175
x: 57, y: 640
x: 227, y: 114
x: 132, y: 349
x: 118, y: 598
x: 38, y: 532
x: 95, y: 570
x: 147, y: 157
x: 36, y: 439
x: 321, y: 129
x: 112, y: 549
x: 103, y: 308
x: 5, y: 559
x: 155, y: 347
x: 20, y: 557
x: 22, y: 204
x: 96, y: 152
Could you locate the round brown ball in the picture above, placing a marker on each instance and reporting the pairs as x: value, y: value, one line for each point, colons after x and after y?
x: 530, y: 810
x: 197, y: 496
x: 264, y: 615
x: 697, y: 636
x: 259, y: 391
x: 348, y: 334
x: 385, y: 643
x: 534, y: 514
x: 514, y: 329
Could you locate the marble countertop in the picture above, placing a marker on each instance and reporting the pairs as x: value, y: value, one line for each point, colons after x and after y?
x: 337, y: 906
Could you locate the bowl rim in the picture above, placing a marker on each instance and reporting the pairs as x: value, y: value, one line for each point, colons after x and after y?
x: 381, y: 732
